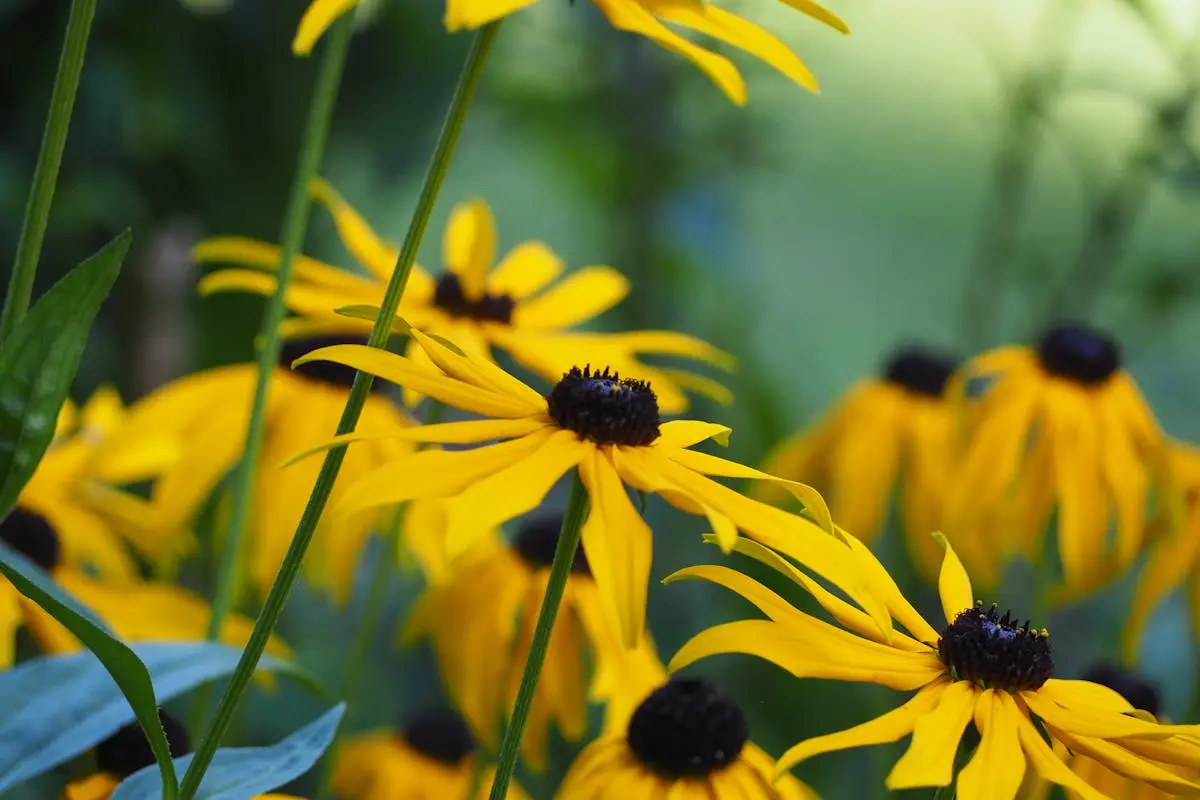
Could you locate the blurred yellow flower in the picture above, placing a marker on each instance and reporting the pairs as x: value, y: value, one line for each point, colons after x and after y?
x: 894, y: 429
x: 983, y: 666
x: 641, y: 17
x: 610, y: 429
x: 1061, y: 427
x: 433, y: 758
x: 514, y: 306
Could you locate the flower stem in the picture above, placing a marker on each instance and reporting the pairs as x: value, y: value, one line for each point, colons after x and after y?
x: 45, y: 174
x: 288, y: 571
x: 560, y: 570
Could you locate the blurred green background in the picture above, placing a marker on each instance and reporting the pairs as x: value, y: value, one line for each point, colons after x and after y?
x: 970, y: 171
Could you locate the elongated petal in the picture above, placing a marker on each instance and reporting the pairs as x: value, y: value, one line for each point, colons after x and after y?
x: 819, y: 13
x: 525, y: 270
x: 1091, y: 722
x: 1170, y: 562
x: 368, y: 247
x: 687, y: 432
x: 577, y: 298
x: 317, y: 18
x: 763, y: 598
x: 996, y: 770
x: 469, y: 246
x: 897, y: 604
x: 1131, y: 765
x: 11, y: 617
x: 1043, y: 760
x: 1084, y: 694
x: 954, y: 586
x: 673, y: 343
x: 467, y: 14
x: 467, y: 432
x: 929, y: 760
x: 480, y: 371
x: 264, y: 256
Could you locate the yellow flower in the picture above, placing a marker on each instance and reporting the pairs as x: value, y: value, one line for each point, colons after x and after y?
x: 642, y: 17
x: 896, y: 428
x: 610, y: 429
x: 515, y: 306
x: 1175, y: 558
x: 126, y: 752
x: 1061, y: 427
x: 682, y: 738
x: 983, y: 666
x: 488, y: 603
x: 210, y: 411
x: 433, y: 758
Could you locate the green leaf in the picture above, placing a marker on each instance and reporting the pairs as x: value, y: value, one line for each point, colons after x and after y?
x: 38, y: 362
x: 240, y: 773
x: 57, y: 707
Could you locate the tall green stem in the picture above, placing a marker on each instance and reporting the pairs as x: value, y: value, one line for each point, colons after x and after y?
x: 286, y: 577
x: 560, y: 570
x: 45, y: 174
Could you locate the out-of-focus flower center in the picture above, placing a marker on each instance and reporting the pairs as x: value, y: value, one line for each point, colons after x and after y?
x: 687, y: 728
x: 993, y: 652
x: 31, y: 535
x: 127, y: 751
x: 537, y: 540
x: 604, y: 407
x: 326, y: 372
x: 440, y: 735
x: 1079, y: 353
x: 449, y: 297
x: 920, y: 370
x: 1138, y: 692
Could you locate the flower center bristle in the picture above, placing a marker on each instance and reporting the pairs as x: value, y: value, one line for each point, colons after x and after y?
x: 605, y: 408
x: 1079, y: 353
x: 1138, y: 692
x: 326, y: 372
x: 537, y: 540
x: 449, y: 297
x: 992, y: 652
x: 441, y: 735
x: 920, y: 370
x: 31, y: 535
x: 687, y: 728
x: 127, y: 751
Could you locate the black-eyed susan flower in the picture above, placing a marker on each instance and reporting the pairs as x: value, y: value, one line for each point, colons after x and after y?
x: 127, y: 752
x: 434, y: 757
x: 984, y: 667
x: 1062, y: 428
x: 684, y: 738
x: 607, y: 427
x: 649, y: 18
x: 1174, y: 559
x: 892, y: 431
x: 210, y: 410
x: 488, y: 603
x: 518, y: 305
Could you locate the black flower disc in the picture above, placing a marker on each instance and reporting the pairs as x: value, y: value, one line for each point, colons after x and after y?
x: 31, y: 535
x: 327, y: 372
x: 1137, y: 691
x: 1079, y: 353
x: 992, y: 652
x: 687, y: 728
x: 449, y: 297
x: 127, y: 751
x: 604, y: 407
x: 441, y: 735
x: 537, y: 539
x: 920, y: 370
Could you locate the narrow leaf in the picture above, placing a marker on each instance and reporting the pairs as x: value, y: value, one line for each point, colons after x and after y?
x: 240, y: 773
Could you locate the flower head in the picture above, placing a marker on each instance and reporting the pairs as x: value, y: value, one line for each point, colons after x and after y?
x: 518, y: 305
x: 893, y: 432
x: 983, y: 667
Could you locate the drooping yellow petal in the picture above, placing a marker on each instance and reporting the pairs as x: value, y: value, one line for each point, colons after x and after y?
x: 1082, y: 505
x: 469, y: 246
x: 997, y: 768
x: 1090, y: 722
x: 524, y: 271
x: 896, y: 603
x: 929, y: 760
x: 763, y: 598
x: 10, y: 620
x: 1085, y: 694
x: 1123, y: 762
x: 479, y: 371
x: 819, y: 13
x: 367, y: 246
x: 467, y: 14
x: 954, y: 586
x: 1043, y: 760
x: 317, y: 18
x: 1170, y: 561
x: 577, y: 298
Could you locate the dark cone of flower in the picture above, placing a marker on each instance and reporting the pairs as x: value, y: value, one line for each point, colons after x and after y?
x: 991, y: 651
x: 605, y: 408
x: 31, y: 535
x: 1138, y: 692
x: 1080, y: 353
x: 326, y: 372
x: 127, y: 750
x: 537, y: 540
x: 441, y: 735
x: 449, y: 297
x: 920, y: 370
x: 687, y: 728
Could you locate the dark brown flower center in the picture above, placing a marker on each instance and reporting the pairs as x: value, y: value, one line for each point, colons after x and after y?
x: 605, y: 408
x: 441, y: 735
x: 687, y: 728
x: 1079, y: 353
x: 1137, y: 691
x: 326, y: 372
x: 537, y: 540
x: 920, y: 370
x: 449, y: 297
x: 31, y: 535
x: 127, y: 750
x: 992, y: 652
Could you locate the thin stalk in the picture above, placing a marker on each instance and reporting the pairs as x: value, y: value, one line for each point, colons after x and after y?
x: 560, y: 570
x: 45, y: 174
x: 286, y: 577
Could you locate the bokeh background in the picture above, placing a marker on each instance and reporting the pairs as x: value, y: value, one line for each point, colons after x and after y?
x: 969, y: 172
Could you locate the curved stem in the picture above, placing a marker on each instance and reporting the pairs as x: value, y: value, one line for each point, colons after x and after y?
x: 560, y: 571
x: 288, y: 571
x: 45, y: 174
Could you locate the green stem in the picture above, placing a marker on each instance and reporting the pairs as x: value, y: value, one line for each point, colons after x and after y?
x: 286, y: 577
x: 560, y: 570
x: 45, y: 174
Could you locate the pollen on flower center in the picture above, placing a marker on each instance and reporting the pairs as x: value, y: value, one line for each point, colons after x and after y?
x: 1079, y: 353
x: 127, y: 751
x: 31, y: 535
x: 920, y: 370
x: 1138, y: 692
x: 687, y: 728
x: 993, y: 652
x: 537, y: 540
x: 327, y: 372
x: 449, y: 297
x: 441, y: 735
x: 605, y: 408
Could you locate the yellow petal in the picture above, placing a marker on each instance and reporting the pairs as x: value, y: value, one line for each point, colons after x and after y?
x: 469, y: 14
x: 673, y: 343
x: 469, y: 246
x: 1043, y: 760
x: 996, y: 770
x: 317, y: 18
x: 1085, y: 694
x: 264, y: 256
x: 367, y: 247
x: 954, y: 586
x: 10, y: 619
x: 467, y: 432
x: 819, y: 13
x: 1125, y: 763
x: 580, y: 296
x: 929, y: 760
x: 524, y: 271
x: 763, y: 598
x: 1090, y: 722
x: 686, y: 432
x: 897, y: 604
x: 1170, y: 562
x: 480, y: 371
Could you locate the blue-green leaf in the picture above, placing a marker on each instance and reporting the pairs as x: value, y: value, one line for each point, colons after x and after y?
x: 240, y: 773
x: 59, y: 706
